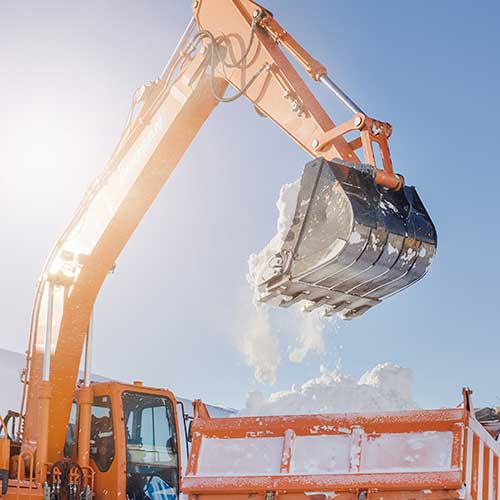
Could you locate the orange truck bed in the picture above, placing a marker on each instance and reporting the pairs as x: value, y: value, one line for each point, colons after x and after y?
x: 411, y: 455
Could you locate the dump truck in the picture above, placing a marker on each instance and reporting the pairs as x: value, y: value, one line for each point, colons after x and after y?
x: 359, y: 235
x: 410, y: 455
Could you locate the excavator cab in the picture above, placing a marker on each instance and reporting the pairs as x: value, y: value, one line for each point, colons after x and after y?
x: 352, y: 243
x: 133, y: 429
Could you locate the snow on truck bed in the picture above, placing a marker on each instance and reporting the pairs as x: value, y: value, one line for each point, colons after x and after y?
x: 386, y: 387
x: 406, y: 450
x: 327, y: 454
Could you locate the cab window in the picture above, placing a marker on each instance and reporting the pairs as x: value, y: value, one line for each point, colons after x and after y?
x: 102, y: 440
x: 151, y: 446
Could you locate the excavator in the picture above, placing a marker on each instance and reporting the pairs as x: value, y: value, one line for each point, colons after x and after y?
x: 359, y: 235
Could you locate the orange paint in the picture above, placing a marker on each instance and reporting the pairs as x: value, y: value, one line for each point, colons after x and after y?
x: 178, y: 110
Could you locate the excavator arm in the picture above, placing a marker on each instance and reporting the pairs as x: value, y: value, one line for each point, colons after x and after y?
x: 79, y: 263
x: 234, y: 42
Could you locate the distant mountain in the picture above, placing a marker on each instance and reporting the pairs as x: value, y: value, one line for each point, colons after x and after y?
x: 12, y: 364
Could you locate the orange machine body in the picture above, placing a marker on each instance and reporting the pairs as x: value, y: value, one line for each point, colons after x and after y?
x: 143, y: 161
x: 174, y: 108
x: 107, y: 434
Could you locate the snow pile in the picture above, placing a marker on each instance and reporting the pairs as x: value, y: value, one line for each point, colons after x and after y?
x: 257, y: 263
x: 387, y: 387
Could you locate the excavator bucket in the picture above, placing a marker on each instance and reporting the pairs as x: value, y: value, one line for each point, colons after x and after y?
x: 351, y: 243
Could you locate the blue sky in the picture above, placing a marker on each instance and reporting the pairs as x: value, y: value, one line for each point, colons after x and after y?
x: 170, y: 314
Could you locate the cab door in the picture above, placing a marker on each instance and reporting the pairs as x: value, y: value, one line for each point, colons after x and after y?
x: 104, y: 452
x: 152, y: 470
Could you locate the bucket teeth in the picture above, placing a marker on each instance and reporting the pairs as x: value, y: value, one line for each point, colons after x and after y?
x: 351, y: 243
x: 288, y: 302
x: 311, y: 306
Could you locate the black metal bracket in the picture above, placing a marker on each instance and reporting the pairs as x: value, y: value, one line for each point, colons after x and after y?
x: 4, y: 479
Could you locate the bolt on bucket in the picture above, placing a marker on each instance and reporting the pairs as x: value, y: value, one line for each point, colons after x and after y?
x: 351, y: 243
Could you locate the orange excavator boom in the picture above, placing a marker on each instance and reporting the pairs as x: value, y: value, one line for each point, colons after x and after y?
x: 237, y: 43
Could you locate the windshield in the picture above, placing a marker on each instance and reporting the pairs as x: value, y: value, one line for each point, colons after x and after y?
x: 151, y: 443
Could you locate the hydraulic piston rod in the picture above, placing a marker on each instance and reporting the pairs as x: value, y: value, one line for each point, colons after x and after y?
x: 328, y: 82
x: 88, y: 352
x: 86, y: 399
